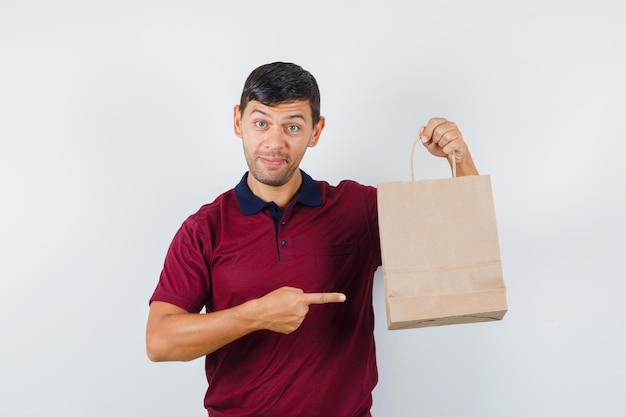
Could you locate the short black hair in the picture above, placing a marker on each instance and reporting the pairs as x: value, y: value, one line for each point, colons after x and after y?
x: 281, y: 82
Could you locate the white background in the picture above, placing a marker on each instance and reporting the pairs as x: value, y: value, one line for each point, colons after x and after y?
x: 115, y: 125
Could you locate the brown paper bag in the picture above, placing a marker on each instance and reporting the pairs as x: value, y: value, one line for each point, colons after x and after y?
x: 440, y: 251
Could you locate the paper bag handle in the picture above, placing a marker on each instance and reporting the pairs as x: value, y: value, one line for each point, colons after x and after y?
x: 450, y: 157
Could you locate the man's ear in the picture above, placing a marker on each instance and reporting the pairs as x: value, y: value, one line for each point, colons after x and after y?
x: 317, y: 131
x: 237, y: 121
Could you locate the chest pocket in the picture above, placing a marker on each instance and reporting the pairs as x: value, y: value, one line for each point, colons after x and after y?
x: 337, y: 249
x: 335, y: 264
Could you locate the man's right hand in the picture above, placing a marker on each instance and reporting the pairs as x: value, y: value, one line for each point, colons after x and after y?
x: 283, y: 310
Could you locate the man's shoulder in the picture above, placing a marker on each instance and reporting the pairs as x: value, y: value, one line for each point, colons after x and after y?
x: 225, y: 201
x: 347, y: 193
x: 346, y: 186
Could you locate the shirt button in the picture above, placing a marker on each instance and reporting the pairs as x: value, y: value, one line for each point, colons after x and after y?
x: 283, y: 224
x: 284, y: 243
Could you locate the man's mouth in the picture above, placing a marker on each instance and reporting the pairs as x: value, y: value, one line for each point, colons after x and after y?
x: 272, y: 161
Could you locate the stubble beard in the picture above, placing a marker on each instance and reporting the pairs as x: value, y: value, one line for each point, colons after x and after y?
x: 271, y: 177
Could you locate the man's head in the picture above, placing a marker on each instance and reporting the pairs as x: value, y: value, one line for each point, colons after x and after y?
x: 277, y: 120
x: 281, y: 82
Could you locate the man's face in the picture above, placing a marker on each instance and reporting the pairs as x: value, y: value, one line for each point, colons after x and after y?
x: 275, y: 138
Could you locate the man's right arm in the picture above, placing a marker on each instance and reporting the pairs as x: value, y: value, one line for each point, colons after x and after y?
x: 173, y: 334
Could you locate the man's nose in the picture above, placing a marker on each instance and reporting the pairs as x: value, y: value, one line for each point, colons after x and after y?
x: 274, y: 138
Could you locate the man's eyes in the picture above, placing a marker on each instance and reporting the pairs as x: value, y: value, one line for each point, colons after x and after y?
x: 290, y: 128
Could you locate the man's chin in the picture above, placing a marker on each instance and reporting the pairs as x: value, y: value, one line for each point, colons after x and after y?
x: 271, y: 180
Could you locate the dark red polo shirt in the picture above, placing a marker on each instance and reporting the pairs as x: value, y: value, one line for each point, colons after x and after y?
x: 238, y: 248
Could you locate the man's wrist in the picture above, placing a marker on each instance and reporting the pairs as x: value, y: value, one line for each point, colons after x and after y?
x: 466, y: 166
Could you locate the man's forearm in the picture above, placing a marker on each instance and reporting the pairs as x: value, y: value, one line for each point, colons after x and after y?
x: 466, y: 167
x: 175, y: 335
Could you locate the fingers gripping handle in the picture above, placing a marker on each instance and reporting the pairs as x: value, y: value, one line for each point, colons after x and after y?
x: 450, y: 158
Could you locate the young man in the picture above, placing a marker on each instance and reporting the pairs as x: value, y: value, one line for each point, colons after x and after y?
x: 284, y: 266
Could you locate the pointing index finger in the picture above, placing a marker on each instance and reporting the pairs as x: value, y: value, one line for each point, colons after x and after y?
x: 325, y: 297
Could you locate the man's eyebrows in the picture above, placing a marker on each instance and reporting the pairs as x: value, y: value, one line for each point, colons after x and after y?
x: 264, y: 113
x: 291, y: 116
x: 297, y: 116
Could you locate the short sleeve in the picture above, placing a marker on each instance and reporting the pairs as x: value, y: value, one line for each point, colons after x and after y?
x: 185, y: 277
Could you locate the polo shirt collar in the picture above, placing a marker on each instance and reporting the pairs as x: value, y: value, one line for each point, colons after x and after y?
x: 308, y: 195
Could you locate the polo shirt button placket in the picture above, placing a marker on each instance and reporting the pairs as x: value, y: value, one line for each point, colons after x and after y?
x: 283, y: 242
